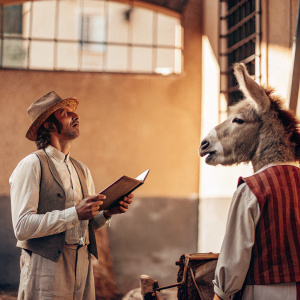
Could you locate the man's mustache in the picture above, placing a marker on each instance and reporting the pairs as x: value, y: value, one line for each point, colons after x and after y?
x: 76, y: 122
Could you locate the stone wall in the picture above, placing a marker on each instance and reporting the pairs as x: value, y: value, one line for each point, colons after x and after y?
x: 9, y: 253
x: 150, y: 238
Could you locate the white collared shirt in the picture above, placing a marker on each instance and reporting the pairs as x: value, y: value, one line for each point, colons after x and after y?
x: 25, y: 184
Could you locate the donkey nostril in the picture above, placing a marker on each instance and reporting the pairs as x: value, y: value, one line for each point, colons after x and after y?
x: 204, y: 145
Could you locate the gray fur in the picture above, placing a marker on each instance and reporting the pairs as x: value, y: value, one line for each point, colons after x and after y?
x: 265, y: 136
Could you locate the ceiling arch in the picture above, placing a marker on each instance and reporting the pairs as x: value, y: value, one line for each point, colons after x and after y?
x: 176, y: 6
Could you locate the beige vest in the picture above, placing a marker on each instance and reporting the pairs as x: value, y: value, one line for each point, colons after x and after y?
x: 52, y: 197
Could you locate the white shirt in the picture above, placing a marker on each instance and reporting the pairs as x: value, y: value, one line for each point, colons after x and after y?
x: 25, y: 184
x: 234, y: 260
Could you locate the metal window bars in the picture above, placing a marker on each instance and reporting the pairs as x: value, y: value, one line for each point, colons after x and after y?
x: 239, y: 29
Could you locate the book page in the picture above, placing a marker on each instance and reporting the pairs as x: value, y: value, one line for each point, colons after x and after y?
x: 120, y: 188
x: 143, y: 176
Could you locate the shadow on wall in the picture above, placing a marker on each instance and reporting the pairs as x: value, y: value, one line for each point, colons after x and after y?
x: 9, y: 253
x: 150, y: 238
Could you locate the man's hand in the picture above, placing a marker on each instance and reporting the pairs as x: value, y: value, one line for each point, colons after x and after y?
x: 216, y: 297
x: 121, y: 208
x: 89, y: 207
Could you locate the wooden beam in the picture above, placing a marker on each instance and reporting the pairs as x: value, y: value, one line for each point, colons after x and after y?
x: 139, y: 3
x: 151, y: 6
x: 9, y: 2
x: 293, y: 92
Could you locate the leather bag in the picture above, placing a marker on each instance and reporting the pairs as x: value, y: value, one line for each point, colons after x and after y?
x: 196, y: 272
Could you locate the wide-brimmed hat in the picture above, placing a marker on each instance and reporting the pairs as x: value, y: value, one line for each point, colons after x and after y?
x: 42, y: 108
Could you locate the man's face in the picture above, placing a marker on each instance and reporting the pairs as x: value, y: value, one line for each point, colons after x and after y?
x: 69, y: 123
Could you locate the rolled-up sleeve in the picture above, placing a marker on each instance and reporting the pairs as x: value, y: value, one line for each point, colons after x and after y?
x: 235, y: 255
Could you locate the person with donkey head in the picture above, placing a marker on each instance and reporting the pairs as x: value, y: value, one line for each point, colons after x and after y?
x: 55, y: 210
x: 260, y: 254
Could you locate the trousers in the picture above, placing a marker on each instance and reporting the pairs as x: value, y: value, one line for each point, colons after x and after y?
x: 71, y: 277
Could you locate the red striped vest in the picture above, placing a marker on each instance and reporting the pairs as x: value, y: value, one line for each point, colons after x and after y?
x: 276, y: 251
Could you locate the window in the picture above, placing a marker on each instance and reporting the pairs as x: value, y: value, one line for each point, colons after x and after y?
x: 239, y: 42
x: 93, y: 29
x: 11, y: 43
x: 90, y: 35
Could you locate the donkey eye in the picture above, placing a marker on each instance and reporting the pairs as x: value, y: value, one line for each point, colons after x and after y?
x: 238, y: 121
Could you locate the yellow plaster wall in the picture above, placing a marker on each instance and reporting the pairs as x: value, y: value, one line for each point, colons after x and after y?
x: 129, y: 123
x: 280, y: 20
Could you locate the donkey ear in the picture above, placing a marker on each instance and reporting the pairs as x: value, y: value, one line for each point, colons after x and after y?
x: 250, y: 88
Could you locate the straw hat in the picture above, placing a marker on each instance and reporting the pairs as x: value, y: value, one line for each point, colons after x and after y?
x: 42, y: 108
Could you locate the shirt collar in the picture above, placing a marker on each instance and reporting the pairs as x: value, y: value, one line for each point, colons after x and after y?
x: 56, y: 154
x: 291, y: 163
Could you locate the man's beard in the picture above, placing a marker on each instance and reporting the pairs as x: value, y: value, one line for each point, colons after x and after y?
x: 70, y: 133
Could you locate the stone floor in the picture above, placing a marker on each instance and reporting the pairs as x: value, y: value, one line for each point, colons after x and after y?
x: 132, y: 295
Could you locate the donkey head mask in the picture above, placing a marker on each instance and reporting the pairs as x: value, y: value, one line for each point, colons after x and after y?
x: 259, y: 129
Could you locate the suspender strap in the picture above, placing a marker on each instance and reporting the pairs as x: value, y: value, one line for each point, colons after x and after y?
x: 93, y: 245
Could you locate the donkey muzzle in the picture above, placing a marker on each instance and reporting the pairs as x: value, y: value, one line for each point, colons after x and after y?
x: 203, y: 147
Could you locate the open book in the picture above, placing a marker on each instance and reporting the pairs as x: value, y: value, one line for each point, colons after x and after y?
x: 120, y: 188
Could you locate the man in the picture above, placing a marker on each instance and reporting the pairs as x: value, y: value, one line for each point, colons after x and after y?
x: 55, y: 209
